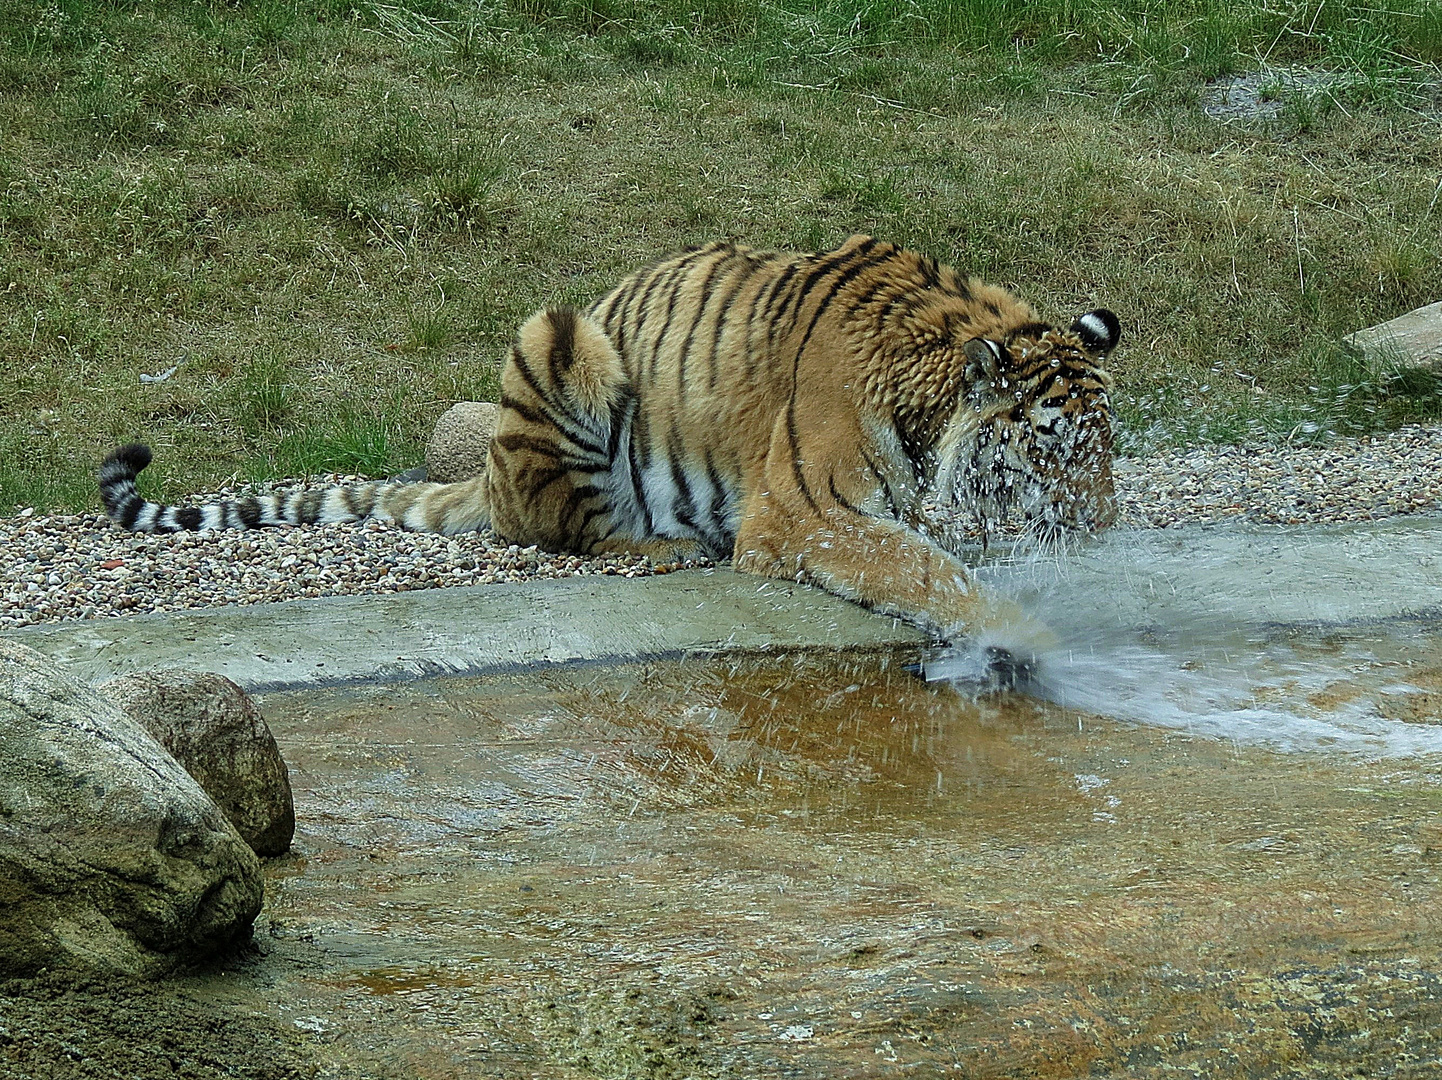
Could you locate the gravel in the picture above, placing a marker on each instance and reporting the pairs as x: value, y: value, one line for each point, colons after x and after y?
x: 68, y: 566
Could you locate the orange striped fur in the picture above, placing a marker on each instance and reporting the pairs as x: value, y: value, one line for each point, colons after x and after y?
x: 792, y: 412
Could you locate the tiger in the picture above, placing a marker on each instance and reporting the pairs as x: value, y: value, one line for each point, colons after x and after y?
x: 795, y: 413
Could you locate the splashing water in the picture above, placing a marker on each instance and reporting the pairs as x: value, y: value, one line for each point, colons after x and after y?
x: 1296, y: 638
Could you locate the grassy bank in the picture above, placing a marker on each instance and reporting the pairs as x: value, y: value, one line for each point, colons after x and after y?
x: 329, y: 216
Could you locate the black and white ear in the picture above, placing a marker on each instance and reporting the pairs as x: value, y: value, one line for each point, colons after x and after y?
x: 985, y: 356
x: 1099, y: 331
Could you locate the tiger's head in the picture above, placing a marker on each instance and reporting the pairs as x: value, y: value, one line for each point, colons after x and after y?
x: 1034, y: 429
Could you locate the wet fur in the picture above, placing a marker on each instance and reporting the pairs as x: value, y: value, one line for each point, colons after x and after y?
x: 789, y: 411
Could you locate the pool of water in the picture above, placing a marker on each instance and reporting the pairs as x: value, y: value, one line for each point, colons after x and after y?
x: 818, y: 868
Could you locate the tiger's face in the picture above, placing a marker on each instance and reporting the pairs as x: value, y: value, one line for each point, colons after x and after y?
x: 1034, y: 434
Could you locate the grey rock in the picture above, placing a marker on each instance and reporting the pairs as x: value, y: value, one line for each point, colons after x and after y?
x: 460, y: 442
x: 211, y: 726
x: 1408, y: 341
x: 112, y: 859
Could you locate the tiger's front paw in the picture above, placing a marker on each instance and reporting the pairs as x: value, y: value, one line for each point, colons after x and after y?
x: 671, y: 552
x: 1002, y: 649
x: 1007, y: 670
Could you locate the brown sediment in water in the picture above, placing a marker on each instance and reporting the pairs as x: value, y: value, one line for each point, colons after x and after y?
x: 797, y: 867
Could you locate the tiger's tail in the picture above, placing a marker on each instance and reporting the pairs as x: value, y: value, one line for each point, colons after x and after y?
x: 423, y: 507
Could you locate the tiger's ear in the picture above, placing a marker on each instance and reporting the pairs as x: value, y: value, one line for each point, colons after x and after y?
x: 985, y: 356
x: 1099, y: 331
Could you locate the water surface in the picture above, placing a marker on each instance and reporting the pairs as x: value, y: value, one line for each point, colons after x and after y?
x: 813, y: 867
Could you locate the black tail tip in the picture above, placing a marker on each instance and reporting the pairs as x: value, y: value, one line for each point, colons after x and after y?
x: 1007, y: 671
x: 132, y: 457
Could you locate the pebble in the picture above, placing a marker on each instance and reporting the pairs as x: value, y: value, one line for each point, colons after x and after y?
x: 81, y: 566
x: 1364, y: 479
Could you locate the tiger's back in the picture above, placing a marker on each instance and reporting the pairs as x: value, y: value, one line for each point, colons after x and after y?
x: 712, y: 347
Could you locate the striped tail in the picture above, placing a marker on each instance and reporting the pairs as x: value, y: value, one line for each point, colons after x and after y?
x: 423, y: 507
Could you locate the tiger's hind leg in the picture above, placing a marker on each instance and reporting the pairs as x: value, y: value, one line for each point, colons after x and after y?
x: 549, y: 470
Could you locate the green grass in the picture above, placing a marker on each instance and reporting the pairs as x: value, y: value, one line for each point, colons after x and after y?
x: 333, y: 214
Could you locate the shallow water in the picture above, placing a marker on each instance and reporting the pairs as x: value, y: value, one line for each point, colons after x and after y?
x: 822, y: 868
x: 1299, y: 639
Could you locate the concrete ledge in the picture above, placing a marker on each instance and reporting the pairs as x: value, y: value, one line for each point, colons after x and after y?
x: 477, y: 629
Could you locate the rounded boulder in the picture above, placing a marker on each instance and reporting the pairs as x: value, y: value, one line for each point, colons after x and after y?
x: 211, y: 726
x: 461, y: 440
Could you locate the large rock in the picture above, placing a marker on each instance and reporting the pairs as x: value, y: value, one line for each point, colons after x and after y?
x: 460, y: 442
x: 214, y: 730
x: 112, y: 859
x: 1410, y: 340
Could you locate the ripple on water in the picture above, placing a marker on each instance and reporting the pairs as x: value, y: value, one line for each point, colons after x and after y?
x: 1298, y: 639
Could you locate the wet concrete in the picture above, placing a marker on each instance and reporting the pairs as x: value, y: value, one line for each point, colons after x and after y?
x: 484, y: 628
x: 793, y: 867
x: 1176, y: 578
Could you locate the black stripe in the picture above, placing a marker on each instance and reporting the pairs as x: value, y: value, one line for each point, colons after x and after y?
x: 309, y: 506
x: 619, y: 299
x: 755, y: 356
x: 665, y: 264
x: 589, y: 516
x: 537, y: 481
x: 840, y: 283
x: 1049, y: 376
x: 644, y: 310
x: 563, y: 343
x: 188, y: 517
x: 579, y: 493
x: 628, y: 316
x: 601, y: 309
x: 722, y: 322
x: 836, y: 262
x: 770, y: 292
x: 913, y: 444
x: 612, y: 531
x: 683, y: 485
x: 717, y: 509
x: 881, y: 285
x: 1035, y: 330
x: 795, y: 441
x: 903, y: 300
x: 129, y: 511
x: 884, y: 484
x: 515, y: 440
x: 518, y: 361
x: 636, y: 485
x: 836, y: 286
x: 663, y: 324
x: 548, y: 417
x: 248, y: 512
x: 703, y: 301
x: 620, y: 412
x: 840, y: 498
x: 930, y: 279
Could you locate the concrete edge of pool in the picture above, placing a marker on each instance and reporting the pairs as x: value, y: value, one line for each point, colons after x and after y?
x: 473, y: 630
